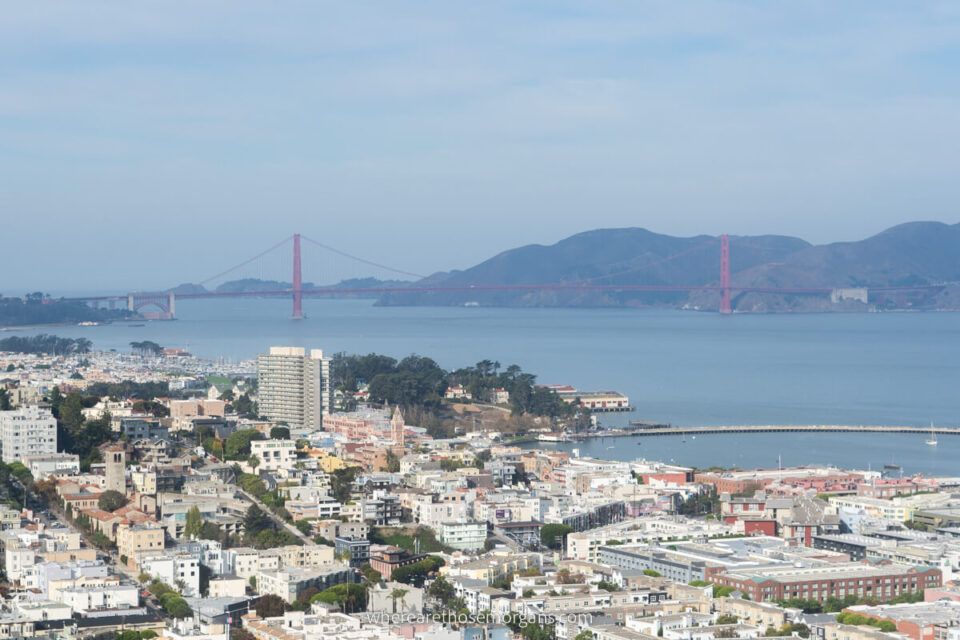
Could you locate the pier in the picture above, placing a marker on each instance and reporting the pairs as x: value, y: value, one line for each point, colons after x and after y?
x: 808, y: 428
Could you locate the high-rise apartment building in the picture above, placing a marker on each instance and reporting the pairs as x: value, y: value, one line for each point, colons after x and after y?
x: 294, y: 386
x: 28, y: 431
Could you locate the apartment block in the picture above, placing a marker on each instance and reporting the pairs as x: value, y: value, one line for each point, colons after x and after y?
x: 28, y: 431
x: 294, y: 386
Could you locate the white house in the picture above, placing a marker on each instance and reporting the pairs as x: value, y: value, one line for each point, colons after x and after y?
x: 274, y: 455
x: 84, y: 600
x: 174, y: 569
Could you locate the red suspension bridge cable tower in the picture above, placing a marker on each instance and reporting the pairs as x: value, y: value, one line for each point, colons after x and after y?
x: 725, y: 274
x: 297, y: 280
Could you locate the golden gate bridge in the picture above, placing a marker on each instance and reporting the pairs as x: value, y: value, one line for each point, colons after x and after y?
x: 163, y: 303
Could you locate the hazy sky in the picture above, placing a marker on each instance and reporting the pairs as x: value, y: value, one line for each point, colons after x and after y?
x: 144, y: 144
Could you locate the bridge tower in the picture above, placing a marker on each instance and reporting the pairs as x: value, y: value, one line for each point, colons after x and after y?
x: 297, y: 280
x: 725, y: 307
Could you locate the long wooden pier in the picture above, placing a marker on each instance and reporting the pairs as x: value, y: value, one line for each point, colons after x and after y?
x: 786, y: 428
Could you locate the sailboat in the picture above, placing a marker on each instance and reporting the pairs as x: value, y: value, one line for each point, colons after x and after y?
x: 932, y: 441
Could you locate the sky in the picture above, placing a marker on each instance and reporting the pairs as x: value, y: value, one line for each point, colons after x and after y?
x: 146, y: 144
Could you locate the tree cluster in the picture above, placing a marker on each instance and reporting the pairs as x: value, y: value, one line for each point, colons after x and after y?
x: 412, y: 381
x: 36, y: 308
x: 700, y: 504
x: 417, y: 572
x: 74, y: 432
x: 857, y: 619
x: 196, y: 527
x: 44, y: 343
x: 146, y: 348
x: 553, y: 535
x: 350, y: 597
x: 171, y: 601
x: 526, y: 398
x: 261, y: 532
x: 111, y: 500
x: 417, y: 381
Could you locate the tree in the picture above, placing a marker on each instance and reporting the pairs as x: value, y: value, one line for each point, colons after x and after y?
x: 270, y: 606
x: 393, y: 462
x: 245, y: 406
x: 194, y: 523
x: 417, y: 572
x: 237, y: 446
x: 441, y: 590
x: 71, y: 411
x: 256, y: 521
x: 280, y: 433
x: 177, y: 608
x: 398, y: 594
x: 111, y: 500
x: 210, y: 531
x: 370, y: 574
x: 56, y: 401
x: 341, y: 484
x: 553, y: 535
x: 146, y: 348
x: 304, y: 526
x: 253, y: 461
x: 350, y: 597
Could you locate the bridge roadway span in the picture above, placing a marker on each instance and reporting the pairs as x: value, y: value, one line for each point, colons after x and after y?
x: 809, y: 428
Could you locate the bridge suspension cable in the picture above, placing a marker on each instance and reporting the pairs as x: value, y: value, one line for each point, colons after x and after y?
x: 370, y: 263
x: 245, y: 262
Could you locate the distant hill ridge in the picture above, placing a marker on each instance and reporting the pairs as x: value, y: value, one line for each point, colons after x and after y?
x: 256, y: 284
x: 907, y: 254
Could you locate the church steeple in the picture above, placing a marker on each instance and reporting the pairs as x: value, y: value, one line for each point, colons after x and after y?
x: 396, y: 427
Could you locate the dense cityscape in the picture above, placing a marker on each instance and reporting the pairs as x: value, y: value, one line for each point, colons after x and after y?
x: 151, y: 493
x: 445, y: 320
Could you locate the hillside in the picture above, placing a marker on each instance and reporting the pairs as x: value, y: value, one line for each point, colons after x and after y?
x: 606, y: 257
x: 912, y: 253
x: 348, y: 288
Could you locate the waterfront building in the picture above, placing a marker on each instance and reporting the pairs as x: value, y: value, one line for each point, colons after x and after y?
x: 294, y: 386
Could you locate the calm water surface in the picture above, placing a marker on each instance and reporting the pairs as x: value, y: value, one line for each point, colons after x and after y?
x: 678, y: 367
